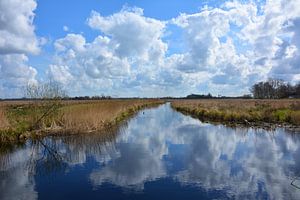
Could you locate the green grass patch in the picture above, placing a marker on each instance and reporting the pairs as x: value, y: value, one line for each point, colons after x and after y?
x: 283, y: 115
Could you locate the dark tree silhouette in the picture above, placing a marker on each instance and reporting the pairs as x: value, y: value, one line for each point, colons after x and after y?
x: 275, y: 89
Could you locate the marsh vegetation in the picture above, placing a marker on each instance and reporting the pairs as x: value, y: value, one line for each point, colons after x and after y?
x: 49, y: 111
x: 250, y: 112
x: 23, y: 119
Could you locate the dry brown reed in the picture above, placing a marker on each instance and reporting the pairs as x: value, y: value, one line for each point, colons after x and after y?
x: 19, y: 118
x: 95, y: 115
x: 3, y: 119
x: 243, y: 110
x: 240, y: 104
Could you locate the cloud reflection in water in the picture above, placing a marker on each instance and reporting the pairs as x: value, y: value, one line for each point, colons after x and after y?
x: 162, y: 144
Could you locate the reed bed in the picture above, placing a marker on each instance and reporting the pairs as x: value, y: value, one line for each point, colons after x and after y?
x: 3, y: 120
x: 251, y: 112
x: 96, y: 115
x: 20, y: 120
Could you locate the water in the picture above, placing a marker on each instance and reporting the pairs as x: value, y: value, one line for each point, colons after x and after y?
x: 158, y: 154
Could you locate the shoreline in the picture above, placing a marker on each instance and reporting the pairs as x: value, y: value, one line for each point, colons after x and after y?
x: 255, y: 125
x: 213, y: 118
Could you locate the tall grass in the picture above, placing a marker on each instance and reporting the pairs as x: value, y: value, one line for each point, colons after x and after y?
x: 96, y: 115
x: 19, y: 119
x: 3, y: 120
x: 243, y: 111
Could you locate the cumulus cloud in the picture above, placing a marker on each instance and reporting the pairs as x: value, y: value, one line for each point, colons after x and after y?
x: 224, y: 50
x: 79, y: 63
x: 16, y: 27
x: 17, y: 39
x: 57, y: 71
x: 202, y: 31
x: 71, y: 41
x: 129, y: 51
x: 15, y: 74
x: 287, y: 59
x: 240, y: 43
x: 133, y: 34
x: 272, y: 38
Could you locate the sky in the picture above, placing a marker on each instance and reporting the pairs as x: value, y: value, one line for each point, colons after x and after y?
x: 143, y: 48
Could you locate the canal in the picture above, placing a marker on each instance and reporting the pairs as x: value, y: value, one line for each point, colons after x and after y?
x: 157, y: 154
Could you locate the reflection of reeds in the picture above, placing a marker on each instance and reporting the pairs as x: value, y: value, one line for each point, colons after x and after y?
x: 47, y: 156
x: 244, y: 111
x: 91, y: 144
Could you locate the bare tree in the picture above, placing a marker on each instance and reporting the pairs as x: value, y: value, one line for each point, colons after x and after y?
x: 46, y: 101
x: 274, y: 89
x: 48, y: 90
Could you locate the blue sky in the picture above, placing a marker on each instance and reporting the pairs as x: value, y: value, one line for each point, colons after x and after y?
x: 148, y: 48
x: 53, y: 15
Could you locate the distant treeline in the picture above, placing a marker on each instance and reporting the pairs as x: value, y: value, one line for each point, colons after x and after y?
x: 199, y: 96
x: 77, y: 98
x: 275, y: 89
x: 209, y: 96
x: 270, y: 89
x: 90, y: 98
x: 64, y: 98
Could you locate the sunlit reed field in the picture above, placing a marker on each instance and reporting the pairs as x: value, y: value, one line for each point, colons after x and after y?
x: 3, y: 120
x: 284, y: 111
x: 20, y: 119
x: 94, y: 115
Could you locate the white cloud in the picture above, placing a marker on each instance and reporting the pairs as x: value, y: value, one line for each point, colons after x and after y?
x: 286, y: 63
x: 15, y: 74
x: 133, y: 34
x: 202, y: 31
x: 272, y: 38
x: 115, y: 58
x: 65, y: 28
x: 17, y: 39
x: 225, y: 51
x: 211, y: 47
x: 56, y: 72
x: 81, y: 65
x: 240, y: 43
x: 71, y: 41
x: 16, y: 27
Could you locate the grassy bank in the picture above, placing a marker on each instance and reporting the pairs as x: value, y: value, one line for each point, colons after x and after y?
x: 240, y: 111
x: 21, y: 120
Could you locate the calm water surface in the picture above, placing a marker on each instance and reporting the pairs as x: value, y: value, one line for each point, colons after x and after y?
x: 158, y: 154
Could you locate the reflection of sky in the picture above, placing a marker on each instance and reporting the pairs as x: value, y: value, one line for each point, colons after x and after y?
x: 161, y: 148
x: 15, y: 179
